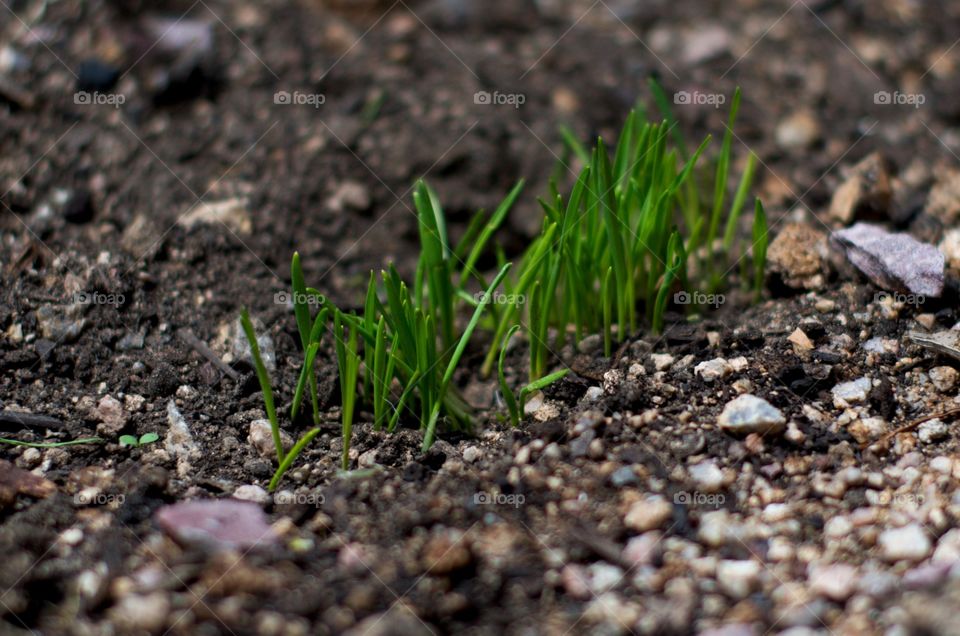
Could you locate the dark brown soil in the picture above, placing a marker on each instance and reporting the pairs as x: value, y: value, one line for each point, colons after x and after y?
x: 94, y: 199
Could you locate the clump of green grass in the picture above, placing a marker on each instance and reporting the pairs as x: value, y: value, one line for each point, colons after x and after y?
x: 405, y: 337
x: 611, y: 251
x: 630, y: 230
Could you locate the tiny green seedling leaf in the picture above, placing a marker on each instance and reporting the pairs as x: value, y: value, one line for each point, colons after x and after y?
x: 129, y: 440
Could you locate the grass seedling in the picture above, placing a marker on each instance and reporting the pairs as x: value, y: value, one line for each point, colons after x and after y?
x: 284, y: 460
x: 515, y: 404
x: 264, y: 378
x: 760, y: 241
x: 609, y: 254
x: 136, y: 442
x: 73, y: 442
x: 348, y: 362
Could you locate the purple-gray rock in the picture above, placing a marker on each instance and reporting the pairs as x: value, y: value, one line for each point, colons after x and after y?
x: 896, y: 262
x: 216, y: 524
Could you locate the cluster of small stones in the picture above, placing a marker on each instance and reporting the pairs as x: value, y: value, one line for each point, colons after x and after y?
x: 815, y: 541
x: 719, y: 535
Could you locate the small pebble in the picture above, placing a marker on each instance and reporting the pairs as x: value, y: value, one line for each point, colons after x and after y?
x: 738, y: 578
x: 849, y: 393
x: 751, y: 414
x: 909, y: 543
x: 713, y: 370
x: 648, y: 514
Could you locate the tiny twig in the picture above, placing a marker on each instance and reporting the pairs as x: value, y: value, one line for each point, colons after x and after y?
x: 29, y: 420
x: 201, y: 347
x: 912, y: 425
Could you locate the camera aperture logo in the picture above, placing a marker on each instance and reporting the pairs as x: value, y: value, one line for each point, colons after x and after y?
x: 499, y: 298
x: 93, y: 497
x: 498, y: 499
x: 697, y: 98
x: 98, y: 298
x: 96, y: 98
x: 496, y: 98
x: 299, y: 98
x: 297, y: 298
x: 286, y: 497
x: 696, y: 498
x: 699, y: 298
x: 896, y: 98
x: 899, y: 298
x: 905, y: 499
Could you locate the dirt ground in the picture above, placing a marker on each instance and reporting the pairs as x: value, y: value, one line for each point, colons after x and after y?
x: 150, y: 190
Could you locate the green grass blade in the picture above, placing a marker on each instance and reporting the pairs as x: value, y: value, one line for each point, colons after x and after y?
x: 760, y: 240
x: 540, y: 384
x: 306, y: 372
x: 505, y: 390
x: 264, y: 379
x: 290, y: 457
x: 73, y: 442
x: 570, y: 140
x: 743, y: 189
x: 300, y: 307
x: 455, y: 358
x: 488, y: 231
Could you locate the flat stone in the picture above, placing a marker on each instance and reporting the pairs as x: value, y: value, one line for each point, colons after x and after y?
x: 738, y: 578
x: 260, y: 436
x: 943, y: 378
x: 252, y: 492
x: 932, y: 430
x: 707, y: 475
x: 866, y: 192
x: 896, y: 262
x: 837, y: 581
x: 111, y: 415
x: 648, y: 514
x: 751, y: 414
x: 856, y: 391
x: 798, y: 256
x: 713, y: 370
x: 216, y: 524
x: 909, y: 543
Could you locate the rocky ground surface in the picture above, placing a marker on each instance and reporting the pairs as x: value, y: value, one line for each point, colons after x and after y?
x: 785, y: 467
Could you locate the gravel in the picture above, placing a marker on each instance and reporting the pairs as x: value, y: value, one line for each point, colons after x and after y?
x: 751, y: 414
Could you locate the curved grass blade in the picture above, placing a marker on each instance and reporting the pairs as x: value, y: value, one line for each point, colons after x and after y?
x: 504, y: 387
x: 288, y: 460
x: 73, y: 442
x: 431, y: 432
x: 264, y: 378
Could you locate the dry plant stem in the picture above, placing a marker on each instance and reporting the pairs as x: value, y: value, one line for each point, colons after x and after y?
x: 906, y: 428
